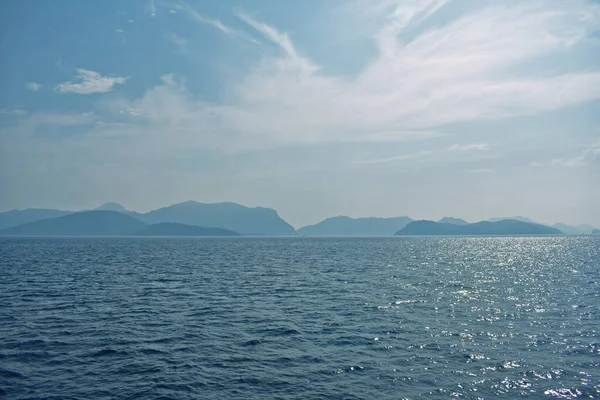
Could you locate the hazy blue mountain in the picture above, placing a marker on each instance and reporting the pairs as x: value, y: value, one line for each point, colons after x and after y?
x: 346, y: 226
x: 574, y: 230
x: 522, y: 219
x: 85, y: 223
x: 503, y: 227
x: 232, y: 216
x: 596, y: 232
x: 176, y: 229
x: 110, y: 206
x: 453, y: 221
x: 17, y: 217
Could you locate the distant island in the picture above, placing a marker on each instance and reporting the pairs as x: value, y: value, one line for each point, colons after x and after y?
x: 596, y: 232
x: 346, y: 226
x: 367, y: 226
x: 502, y: 227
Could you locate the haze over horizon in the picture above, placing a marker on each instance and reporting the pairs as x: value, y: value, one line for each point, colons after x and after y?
x: 364, y: 108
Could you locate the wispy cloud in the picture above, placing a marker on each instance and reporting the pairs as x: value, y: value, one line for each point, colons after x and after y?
x: 90, y: 82
x: 177, y: 40
x: 430, y: 154
x: 198, y: 17
x: 119, y: 30
x: 585, y: 156
x: 33, y: 86
x: 279, y: 38
x: 424, y: 75
x: 465, y: 69
x: 195, y: 15
x: 14, y: 111
x: 406, y: 157
x: 152, y: 8
x: 469, y: 147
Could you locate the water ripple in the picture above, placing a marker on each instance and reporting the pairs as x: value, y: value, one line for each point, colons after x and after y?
x: 333, y: 318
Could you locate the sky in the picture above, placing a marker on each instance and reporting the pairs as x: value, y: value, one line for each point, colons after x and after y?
x: 427, y: 108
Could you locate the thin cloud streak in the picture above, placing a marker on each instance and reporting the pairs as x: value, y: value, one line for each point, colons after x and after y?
x: 215, y: 23
x: 427, y: 154
x: 195, y: 15
x: 582, y: 159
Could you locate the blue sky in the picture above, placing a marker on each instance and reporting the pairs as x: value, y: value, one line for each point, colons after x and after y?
x: 426, y: 108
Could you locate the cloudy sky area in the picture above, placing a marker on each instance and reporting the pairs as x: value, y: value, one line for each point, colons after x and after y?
x: 469, y: 108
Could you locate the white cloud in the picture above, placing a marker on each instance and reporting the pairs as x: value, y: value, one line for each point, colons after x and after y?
x: 152, y: 8
x: 118, y: 30
x: 462, y: 70
x: 586, y: 155
x: 90, y: 82
x: 33, y: 86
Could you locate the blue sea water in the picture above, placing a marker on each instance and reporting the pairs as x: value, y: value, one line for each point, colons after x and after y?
x: 300, y: 318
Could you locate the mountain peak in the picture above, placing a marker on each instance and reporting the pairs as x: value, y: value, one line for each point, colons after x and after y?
x: 110, y: 206
x: 453, y: 221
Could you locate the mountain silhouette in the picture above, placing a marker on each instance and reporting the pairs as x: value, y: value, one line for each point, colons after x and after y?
x: 231, y: 216
x: 596, y: 232
x: 110, y: 206
x: 17, y: 217
x: 346, y: 226
x: 257, y: 221
x: 518, y: 218
x: 574, y: 230
x: 453, y: 221
x: 176, y: 229
x: 502, y: 227
x: 85, y: 223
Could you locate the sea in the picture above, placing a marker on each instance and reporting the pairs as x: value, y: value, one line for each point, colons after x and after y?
x: 300, y: 318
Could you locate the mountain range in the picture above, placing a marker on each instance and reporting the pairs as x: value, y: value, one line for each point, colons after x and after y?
x: 229, y: 216
x: 108, y: 223
x: 217, y: 219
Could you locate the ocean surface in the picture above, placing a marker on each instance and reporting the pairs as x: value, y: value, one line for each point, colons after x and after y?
x: 300, y: 318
